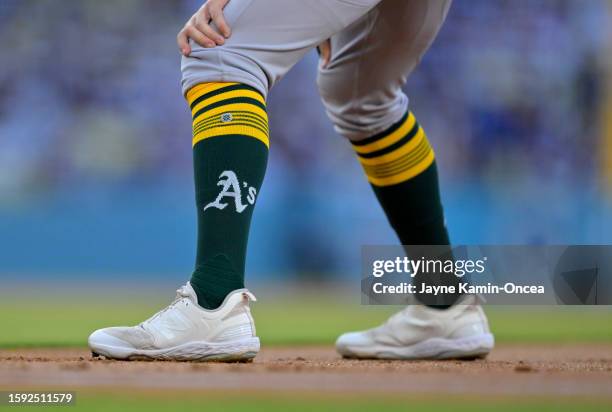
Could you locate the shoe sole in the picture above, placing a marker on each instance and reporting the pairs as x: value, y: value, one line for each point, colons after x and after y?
x: 471, y: 347
x: 242, y: 350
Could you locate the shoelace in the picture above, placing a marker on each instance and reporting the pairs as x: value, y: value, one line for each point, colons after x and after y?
x: 180, y: 294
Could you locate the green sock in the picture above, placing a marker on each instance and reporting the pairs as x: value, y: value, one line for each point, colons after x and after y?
x: 230, y: 153
x: 400, y: 164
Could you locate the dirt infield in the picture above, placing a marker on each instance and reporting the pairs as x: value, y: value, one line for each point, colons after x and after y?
x: 578, y: 370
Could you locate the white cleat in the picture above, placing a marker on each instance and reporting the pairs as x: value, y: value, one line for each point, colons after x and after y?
x: 184, y: 331
x: 419, y: 332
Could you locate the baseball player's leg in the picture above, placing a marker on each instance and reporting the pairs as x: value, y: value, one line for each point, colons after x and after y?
x: 361, y: 89
x: 226, y: 88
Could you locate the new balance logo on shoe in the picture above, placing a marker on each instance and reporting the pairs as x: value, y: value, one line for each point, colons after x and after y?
x: 231, y: 189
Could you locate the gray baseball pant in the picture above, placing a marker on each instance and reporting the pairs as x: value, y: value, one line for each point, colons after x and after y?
x: 375, y: 45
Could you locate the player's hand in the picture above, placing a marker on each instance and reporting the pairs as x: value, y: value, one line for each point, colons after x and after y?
x: 199, y: 28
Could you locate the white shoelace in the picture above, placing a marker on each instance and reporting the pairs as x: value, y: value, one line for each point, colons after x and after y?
x: 181, y: 293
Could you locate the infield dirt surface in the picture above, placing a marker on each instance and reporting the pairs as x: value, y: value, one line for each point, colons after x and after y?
x: 512, y: 369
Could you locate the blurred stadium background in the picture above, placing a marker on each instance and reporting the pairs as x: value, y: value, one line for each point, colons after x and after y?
x: 95, y: 153
x: 96, y: 181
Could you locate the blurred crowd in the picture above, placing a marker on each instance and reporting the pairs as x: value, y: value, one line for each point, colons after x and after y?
x: 512, y: 94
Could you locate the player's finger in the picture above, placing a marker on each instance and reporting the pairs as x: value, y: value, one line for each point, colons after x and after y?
x: 200, y: 38
x: 183, y: 42
x: 204, y: 28
x: 216, y: 13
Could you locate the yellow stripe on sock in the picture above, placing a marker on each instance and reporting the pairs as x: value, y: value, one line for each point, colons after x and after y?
x: 388, y: 140
x: 238, y: 107
x: 395, y: 165
x: 406, y: 174
x: 203, y: 88
x: 405, y: 162
x: 227, y: 95
x: 228, y: 130
x: 248, y: 119
x: 389, y: 157
x: 239, y: 117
